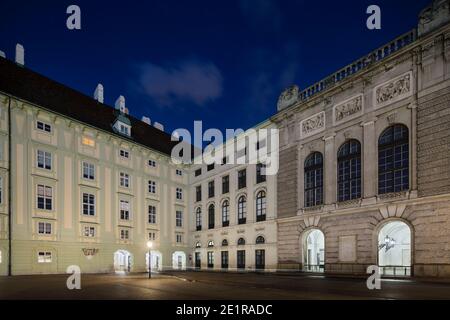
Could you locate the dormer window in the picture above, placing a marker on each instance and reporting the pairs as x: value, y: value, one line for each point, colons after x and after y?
x: 124, y: 129
x: 122, y: 125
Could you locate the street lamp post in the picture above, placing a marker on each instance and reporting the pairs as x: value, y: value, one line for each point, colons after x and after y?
x: 149, y: 246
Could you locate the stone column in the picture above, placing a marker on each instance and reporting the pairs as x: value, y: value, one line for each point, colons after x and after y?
x: 413, y: 149
x: 369, y: 162
x: 329, y: 174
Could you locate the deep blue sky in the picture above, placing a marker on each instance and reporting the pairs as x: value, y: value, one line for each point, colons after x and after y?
x: 221, y: 61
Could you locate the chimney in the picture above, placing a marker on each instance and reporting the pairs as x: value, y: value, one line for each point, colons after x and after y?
x: 20, y: 54
x: 2, y: 54
x: 158, y: 126
x: 98, y: 94
x: 120, y: 104
x: 146, y: 120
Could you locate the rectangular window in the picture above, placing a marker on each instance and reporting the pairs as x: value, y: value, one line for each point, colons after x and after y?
x: 198, y: 172
x: 124, y: 210
x: 88, y: 171
x: 44, y: 197
x: 179, y: 194
x: 124, y: 154
x: 89, y: 232
x: 225, y: 184
x: 88, y: 204
x: 211, y: 189
x: 44, y: 228
x: 210, y: 259
x: 151, y: 214
x: 124, y: 180
x: 241, y: 259
x: 210, y: 167
x: 44, y: 160
x: 151, y: 186
x: 224, y: 256
x: 179, y: 172
x: 152, y: 163
x: 179, y: 238
x: 44, y: 257
x: 88, y: 141
x: 152, y: 236
x: 242, y: 179
x: 260, y: 256
x: 259, y: 176
x: 179, y: 219
x: 124, y: 234
x: 198, y: 193
x: 43, y: 126
x: 124, y: 129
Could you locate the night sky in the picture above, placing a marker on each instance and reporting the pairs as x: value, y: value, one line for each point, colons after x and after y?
x: 222, y: 62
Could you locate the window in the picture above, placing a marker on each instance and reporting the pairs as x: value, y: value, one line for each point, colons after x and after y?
x: 151, y: 186
x: 349, y: 171
x: 393, y: 160
x: 44, y: 228
x: 225, y: 184
x: 124, y: 180
x: 260, y: 240
x: 179, y: 238
x: 260, y: 257
x: 210, y: 259
x: 224, y: 259
x: 210, y: 167
x: 261, y: 206
x: 225, y: 213
x: 124, y: 153
x: 179, y: 219
x: 124, y: 210
x: 88, y: 141
x: 124, y: 234
x: 211, y: 189
x: 241, y: 259
x: 210, y: 244
x: 179, y: 172
x: 44, y: 160
x: 44, y: 197
x: 241, y: 242
x: 179, y: 194
x: 211, y: 217
x: 242, y: 210
x: 88, y: 171
x: 43, y: 126
x: 198, y: 172
x: 242, y: 179
x: 152, y: 163
x: 89, y: 232
x: 198, y: 245
x: 44, y: 257
x: 198, y: 219
x: 88, y: 204
x: 152, y: 236
x: 151, y: 214
x: 259, y: 176
x: 124, y: 129
x: 198, y: 193
x: 314, y: 180
x: 224, y: 242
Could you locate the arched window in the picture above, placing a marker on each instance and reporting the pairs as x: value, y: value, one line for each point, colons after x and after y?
x: 241, y: 241
x: 349, y: 171
x: 261, y: 206
x: 198, y: 245
x: 225, y: 213
x: 314, y: 180
x: 211, y: 217
x: 210, y: 243
x: 242, y: 210
x: 260, y: 240
x: 393, y: 159
x: 224, y: 242
x: 198, y: 218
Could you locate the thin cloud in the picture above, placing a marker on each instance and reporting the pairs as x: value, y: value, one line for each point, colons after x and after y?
x: 189, y: 81
x: 264, y: 14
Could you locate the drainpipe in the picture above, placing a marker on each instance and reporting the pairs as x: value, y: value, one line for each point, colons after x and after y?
x: 9, y: 191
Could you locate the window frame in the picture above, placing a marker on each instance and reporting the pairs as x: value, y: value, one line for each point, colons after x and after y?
x: 88, y: 207
x: 261, y: 205
x: 242, y: 209
x: 316, y: 170
x: 349, y: 170
x: 225, y: 213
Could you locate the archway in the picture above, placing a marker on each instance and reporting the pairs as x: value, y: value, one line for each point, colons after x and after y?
x: 122, y: 261
x: 156, y: 260
x: 179, y: 260
x: 314, y: 251
x: 394, y: 249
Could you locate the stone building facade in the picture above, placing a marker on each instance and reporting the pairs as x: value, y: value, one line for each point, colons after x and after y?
x: 365, y: 156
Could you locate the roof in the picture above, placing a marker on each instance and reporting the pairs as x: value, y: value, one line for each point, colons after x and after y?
x: 41, y: 91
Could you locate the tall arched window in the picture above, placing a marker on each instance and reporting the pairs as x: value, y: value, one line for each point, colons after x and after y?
x: 211, y: 217
x: 198, y: 218
x: 393, y: 159
x: 349, y: 171
x: 261, y: 206
x: 314, y: 180
x: 225, y: 213
x: 242, y: 210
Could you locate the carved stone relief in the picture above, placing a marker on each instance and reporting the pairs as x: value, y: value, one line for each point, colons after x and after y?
x: 394, y: 90
x: 348, y: 109
x: 312, y: 125
x: 288, y: 97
